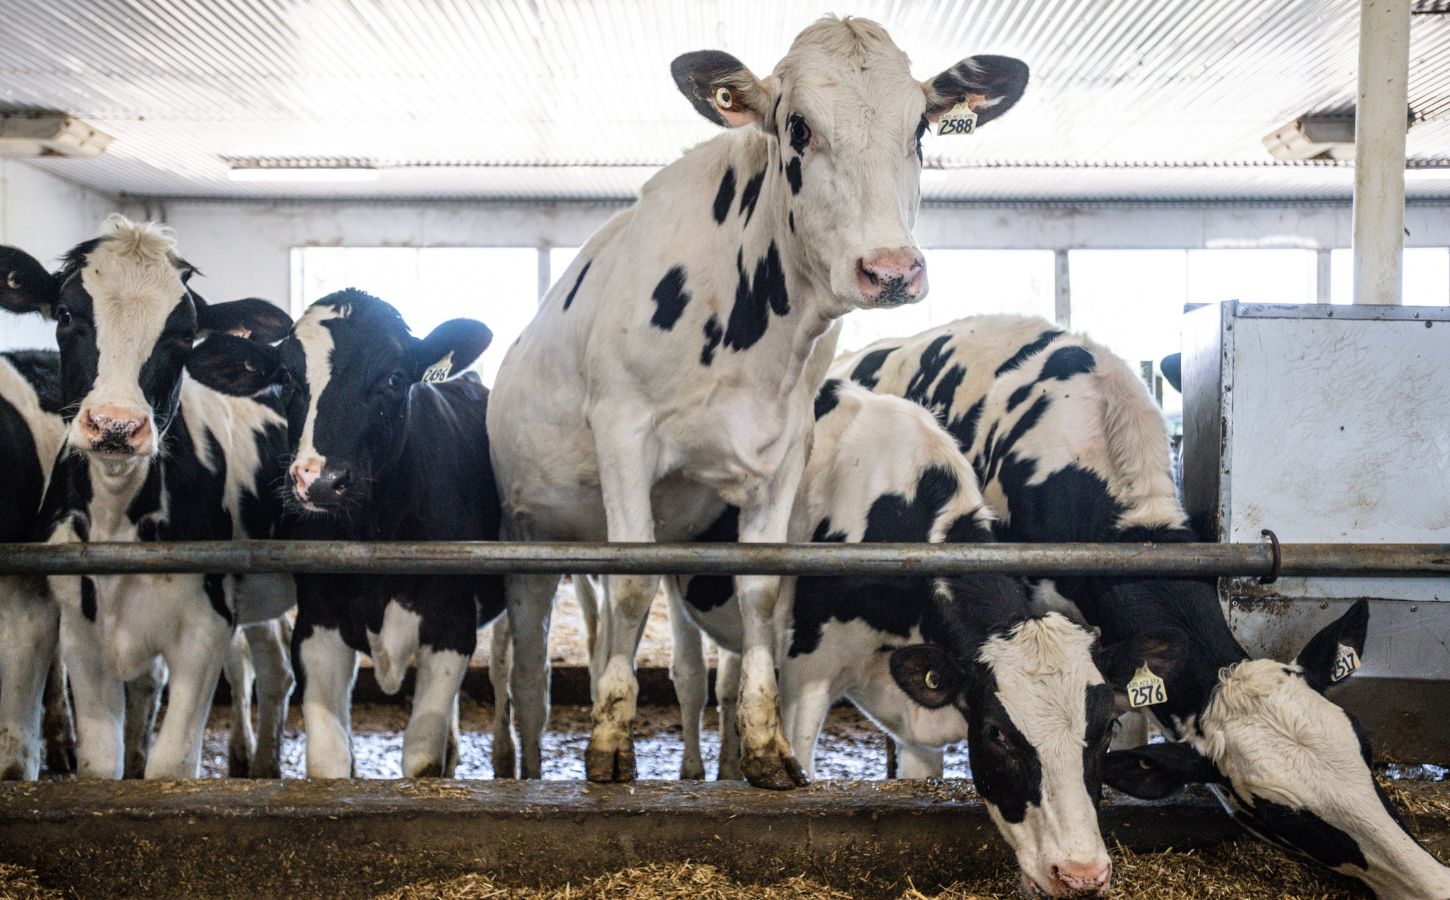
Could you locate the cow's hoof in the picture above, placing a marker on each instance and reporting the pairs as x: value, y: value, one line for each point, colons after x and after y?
x: 238, y: 766
x: 505, y: 764
x: 60, y: 757
x: 775, y: 772
x: 610, y: 765
x: 264, y: 768
x: 429, y: 770
x: 692, y: 771
x: 729, y: 771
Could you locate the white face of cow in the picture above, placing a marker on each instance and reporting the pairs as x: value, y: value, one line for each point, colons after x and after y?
x: 1039, y: 717
x: 846, y: 120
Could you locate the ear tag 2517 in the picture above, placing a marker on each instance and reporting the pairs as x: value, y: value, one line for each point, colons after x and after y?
x: 1344, y: 664
x: 960, y: 119
x: 439, y: 370
x: 1146, y: 689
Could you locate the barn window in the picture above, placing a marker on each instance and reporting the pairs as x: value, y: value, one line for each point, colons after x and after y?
x: 499, y: 286
x: 1426, y: 276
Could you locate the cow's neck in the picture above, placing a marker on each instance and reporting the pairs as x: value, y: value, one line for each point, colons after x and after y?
x: 116, y: 485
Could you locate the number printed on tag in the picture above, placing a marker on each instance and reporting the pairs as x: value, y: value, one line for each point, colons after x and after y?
x: 440, y: 370
x: 960, y: 119
x: 1146, y: 689
x: 1344, y: 664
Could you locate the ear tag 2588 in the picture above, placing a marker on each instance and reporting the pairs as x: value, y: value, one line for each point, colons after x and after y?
x: 1146, y: 689
x: 960, y: 119
x: 440, y: 370
x: 1344, y: 664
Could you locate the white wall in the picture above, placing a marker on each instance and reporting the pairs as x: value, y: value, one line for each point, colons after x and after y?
x: 244, y: 249
x: 44, y: 216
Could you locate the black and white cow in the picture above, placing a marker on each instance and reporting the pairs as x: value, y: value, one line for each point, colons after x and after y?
x: 934, y: 661
x: 1070, y: 446
x: 672, y: 369
x: 379, y: 452
x: 153, y: 456
x: 31, y: 433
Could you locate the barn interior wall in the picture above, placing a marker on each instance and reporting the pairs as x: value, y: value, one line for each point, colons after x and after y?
x: 45, y: 216
x: 244, y: 249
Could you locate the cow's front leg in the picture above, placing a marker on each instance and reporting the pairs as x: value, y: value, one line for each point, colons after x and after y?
x: 435, y: 696
x: 500, y: 664
x: 328, y: 669
x: 29, y: 628
x: 766, y: 758
x: 727, y: 693
x: 530, y: 606
x: 143, y: 703
x: 195, y: 664
x: 59, y: 725
x: 100, y: 696
x: 267, y: 643
x: 688, y: 673
x: 242, y: 741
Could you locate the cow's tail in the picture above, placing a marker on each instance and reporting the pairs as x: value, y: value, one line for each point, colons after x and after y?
x: 1137, y: 439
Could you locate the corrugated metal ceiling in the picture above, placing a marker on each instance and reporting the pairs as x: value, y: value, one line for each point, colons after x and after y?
x: 552, y: 99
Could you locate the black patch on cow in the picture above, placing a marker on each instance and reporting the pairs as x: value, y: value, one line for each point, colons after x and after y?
x: 41, y: 368
x: 23, y: 485
x: 995, y: 451
x: 725, y: 195
x: 964, y: 427
x: 707, y: 592
x: 714, y: 334
x: 1064, y: 363
x: 868, y: 370
x: 1008, y: 776
x: 790, y: 220
x: 1027, y: 351
x: 670, y: 298
x: 216, y: 594
x: 793, y: 174
x: 826, y: 397
x: 1301, y: 831
x: 569, y: 297
x: 88, y: 598
x: 1098, y: 708
x: 921, y: 128
x: 936, y: 355
x: 756, y: 298
x: 751, y: 194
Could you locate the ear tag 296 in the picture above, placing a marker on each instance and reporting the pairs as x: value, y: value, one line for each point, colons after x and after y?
x: 960, y: 119
x: 1146, y: 689
x: 439, y: 370
x: 1344, y: 664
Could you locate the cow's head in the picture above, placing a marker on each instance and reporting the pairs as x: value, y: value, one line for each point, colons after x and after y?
x: 1039, y: 718
x: 125, y: 321
x: 346, y: 371
x: 845, y: 121
x: 1289, y: 765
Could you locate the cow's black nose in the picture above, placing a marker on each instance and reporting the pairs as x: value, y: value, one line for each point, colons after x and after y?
x: 330, y: 487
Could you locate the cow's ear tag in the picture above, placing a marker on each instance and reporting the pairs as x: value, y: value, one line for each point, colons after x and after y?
x: 1344, y: 664
x: 931, y: 679
x: 440, y: 370
x: 1146, y: 689
x: 960, y: 119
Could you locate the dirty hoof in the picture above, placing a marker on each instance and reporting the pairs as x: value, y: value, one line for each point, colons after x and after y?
x: 238, y: 766
x: 610, y: 765
x: 268, y: 768
x: 505, y: 765
x: 773, y: 772
x: 60, y: 756
x: 692, y: 772
x: 430, y: 770
x: 729, y: 771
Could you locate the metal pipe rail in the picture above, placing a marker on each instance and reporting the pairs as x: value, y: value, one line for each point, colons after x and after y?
x: 482, y: 557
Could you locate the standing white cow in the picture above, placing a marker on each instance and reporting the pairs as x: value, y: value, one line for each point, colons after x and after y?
x: 672, y: 369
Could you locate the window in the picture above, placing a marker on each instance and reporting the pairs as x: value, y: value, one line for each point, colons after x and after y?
x: 1426, y: 277
x: 962, y: 283
x: 499, y: 286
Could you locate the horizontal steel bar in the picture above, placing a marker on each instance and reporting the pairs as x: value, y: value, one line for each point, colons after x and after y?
x: 436, y: 558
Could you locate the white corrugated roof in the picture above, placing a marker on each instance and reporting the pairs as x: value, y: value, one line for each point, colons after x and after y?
x: 553, y: 99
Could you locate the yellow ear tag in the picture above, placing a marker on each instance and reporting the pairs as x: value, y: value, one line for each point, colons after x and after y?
x: 931, y: 679
x: 439, y: 370
x: 1344, y: 664
x: 1146, y: 689
x: 960, y: 119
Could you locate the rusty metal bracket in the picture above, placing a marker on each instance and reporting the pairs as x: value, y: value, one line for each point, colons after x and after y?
x: 1273, y: 575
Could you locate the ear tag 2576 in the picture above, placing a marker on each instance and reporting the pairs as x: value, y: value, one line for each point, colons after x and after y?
x: 1146, y: 689
x: 439, y: 370
x: 1344, y: 664
x: 960, y: 119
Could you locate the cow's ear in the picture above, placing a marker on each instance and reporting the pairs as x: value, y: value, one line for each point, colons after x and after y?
x: 721, y: 89
x: 25, y: 285
x: 449, y: 348
x: 989, y: 85
x: 251, y: 318
x: 235, y: 365
x: 1162, y: 650
x: 927, y: 675
x: 1334, y: 653
x: 1157, y: 770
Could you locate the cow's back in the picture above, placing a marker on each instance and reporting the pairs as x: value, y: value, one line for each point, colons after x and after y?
x: 1065, y: 439
x: 31, y: 433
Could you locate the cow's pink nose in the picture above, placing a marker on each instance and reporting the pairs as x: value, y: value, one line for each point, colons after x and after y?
x: 1077, y: 879
x: 890, y: 277
x: 303, y: 474
x: 115, y: 428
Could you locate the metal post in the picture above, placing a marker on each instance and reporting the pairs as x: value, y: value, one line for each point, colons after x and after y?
x: 1323, y: 269
x: 546, y: 278
x: 1379, y: 138
x: 1061, y: 289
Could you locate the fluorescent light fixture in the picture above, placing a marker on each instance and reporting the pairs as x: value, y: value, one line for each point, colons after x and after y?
x: 1313, y: 137
x: 303, y: 173
x: 50, y: 134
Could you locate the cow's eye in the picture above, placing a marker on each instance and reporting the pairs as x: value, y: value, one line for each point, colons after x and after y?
x: 62, y: 316
x: 397, y: 380
x: 800, y: 134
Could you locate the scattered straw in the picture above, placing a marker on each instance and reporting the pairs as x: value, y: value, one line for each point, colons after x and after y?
x: 673, y: 881
x: 20, y: 883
